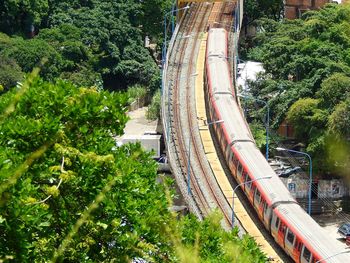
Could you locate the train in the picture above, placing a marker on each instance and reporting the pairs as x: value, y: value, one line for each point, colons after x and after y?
x: 293, y: 229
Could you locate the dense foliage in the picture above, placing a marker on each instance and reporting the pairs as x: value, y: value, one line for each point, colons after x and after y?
x: 208, y: 242
x: 88, y: 42
x: 40, y: 207
x: 67, y: 192
x: 255, y: 9
x: 307, y: 80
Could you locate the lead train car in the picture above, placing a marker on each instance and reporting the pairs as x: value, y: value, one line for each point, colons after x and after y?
x: 292, y: 228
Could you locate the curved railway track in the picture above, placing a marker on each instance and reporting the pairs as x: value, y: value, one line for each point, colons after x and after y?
x: 184, y: 131
x: 179, y: 100
x: 199, y: 164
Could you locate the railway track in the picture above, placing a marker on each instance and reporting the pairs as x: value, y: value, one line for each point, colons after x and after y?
x: 199, y: 164
x: 184, y: 130
x: 182, y: 84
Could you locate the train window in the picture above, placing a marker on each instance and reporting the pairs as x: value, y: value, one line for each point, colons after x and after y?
x: 246, y: 180
x: 277, y: 222
x: 307, y: 254
x: 249, y: 185
x: 239, y: 170
x: 233, y: 163
x: 257, y: 196
x: 290, y: 236
x: 228, y: 152
x: 236, y: 162
x: 244, y: 176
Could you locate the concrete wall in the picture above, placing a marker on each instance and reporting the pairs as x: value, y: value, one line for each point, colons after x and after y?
x: 299, y: 188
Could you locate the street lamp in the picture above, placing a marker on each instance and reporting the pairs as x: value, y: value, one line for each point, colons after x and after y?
x: 321, y: 260
x: 234, y: 190
x: 310, y: 172
x: 189, y: 154
x: 267, y: 121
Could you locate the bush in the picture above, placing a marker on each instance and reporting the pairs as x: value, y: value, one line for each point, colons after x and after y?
x: 136, y: 92
x: 10, y: 73
x: 153, y: 111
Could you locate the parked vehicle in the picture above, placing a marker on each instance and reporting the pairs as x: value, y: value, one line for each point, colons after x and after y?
x: 344, y: 230
x: 289, y: 171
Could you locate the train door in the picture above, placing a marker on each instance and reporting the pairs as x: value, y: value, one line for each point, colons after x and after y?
x: 228, y: 153
x: 250, y: 191
x: 266, y: 214
x: 257, y: 201
x: 281, y: 233
x: 306, y: 256
x: 233, y: 164
x: 248, y: 187
x: 290, y: 239
x: 275, y: 224
x: 239, y: 173
x: 297, y: 250
x: 221, y: 137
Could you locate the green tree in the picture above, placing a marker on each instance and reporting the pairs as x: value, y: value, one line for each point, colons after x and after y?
x: 208, y: 242
x: 255, y: 9
x: 10, y: 72
x: 307, y: 76
x: 103, y: 25
x: 22, y: 14
x: 40, y: 208
x: 339, y: 121
x: 305, y: 116
x: 334, y: 90
x: 30, y: 53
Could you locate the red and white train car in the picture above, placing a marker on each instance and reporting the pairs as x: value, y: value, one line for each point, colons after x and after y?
x: 292, y: 228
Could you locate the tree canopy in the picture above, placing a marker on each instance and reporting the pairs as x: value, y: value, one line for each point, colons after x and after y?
x: 307, y: 77
x: 88, y: 42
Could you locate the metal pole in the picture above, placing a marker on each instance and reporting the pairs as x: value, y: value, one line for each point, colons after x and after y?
x: 165, y: 39
x: 189, y: 166
x: 173, y: 20
x: 165, y: 29
x: 310, y: 183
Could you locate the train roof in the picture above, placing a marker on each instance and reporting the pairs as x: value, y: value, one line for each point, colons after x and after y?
x: 217, y: 42
x: 304, y: 226
x: 218, y: 75
x: 258, y: 167
x: 231, y: 114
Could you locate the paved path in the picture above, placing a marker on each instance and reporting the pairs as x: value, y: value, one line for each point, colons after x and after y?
x: 138, y: 123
